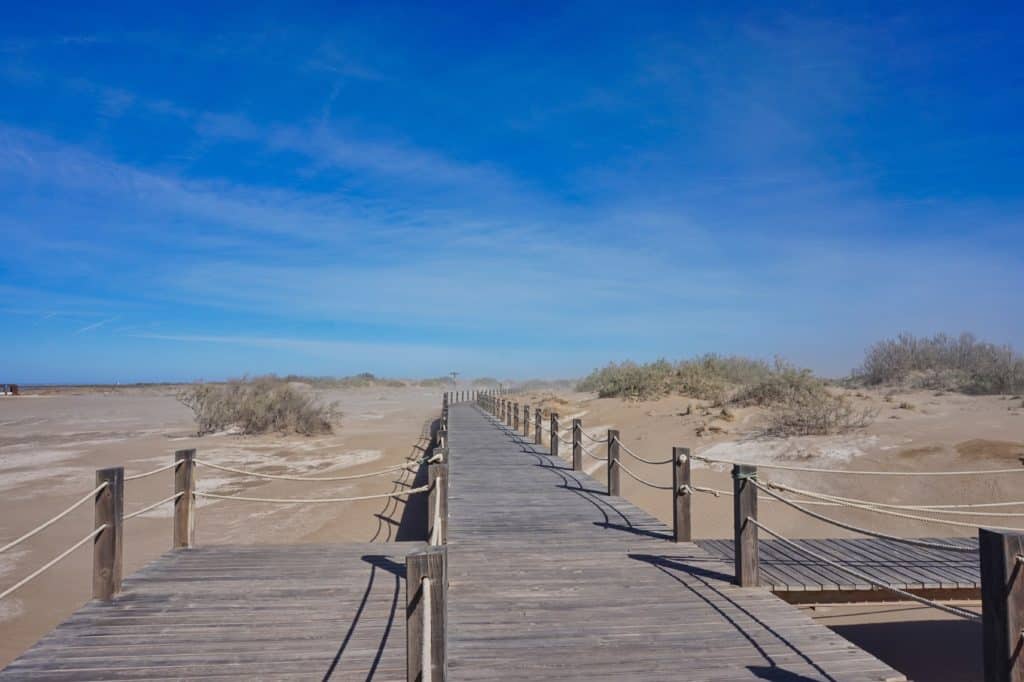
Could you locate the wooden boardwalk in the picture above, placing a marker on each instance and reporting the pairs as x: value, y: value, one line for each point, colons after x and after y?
x: 310, y: 612
x: 797, y: 577
x: 550, y: 578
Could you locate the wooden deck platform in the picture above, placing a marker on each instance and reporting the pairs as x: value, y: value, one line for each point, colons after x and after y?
x: 310, y: 612
x: 550, y: 578
x: 799, y: 578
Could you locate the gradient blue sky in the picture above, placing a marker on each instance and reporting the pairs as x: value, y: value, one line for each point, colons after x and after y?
x: 522, y: 190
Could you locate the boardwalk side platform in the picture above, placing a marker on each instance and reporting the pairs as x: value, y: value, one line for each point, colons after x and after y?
x: 231, y: 612
x: 798, y: 577
x: 550, y: 578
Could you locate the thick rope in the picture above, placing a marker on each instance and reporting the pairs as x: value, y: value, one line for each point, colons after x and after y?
x: 963, y: 613
x: 426, y: 665
x: 855, y: 472
x: 53, y: 561
x: 135, y: 477
x: 856, y: 529
x: 152, y: 506
x: 622, y: 466
x: 275, y: 477
x: 589, y: 453
x: 688, y: 489
x: 46, y: 524
x: 594, y: 440
x: 936, y: 509
x: 638, y: 457
x: 435, y: 530
x: 321, y: 500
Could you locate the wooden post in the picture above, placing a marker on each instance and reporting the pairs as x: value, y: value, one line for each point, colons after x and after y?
x: 526, y: 421
x: 1002, y: 604
x: 554, y: 434
x: 613, y: 462
x: 437, y: 475
x: 426, y: 609
x: 106, y: 548
x: 744, y: 532
x: 577, y: 445
x: 184, y: 505
x: 681, y: 495
x: 515, y: 416
x: 537, y: 431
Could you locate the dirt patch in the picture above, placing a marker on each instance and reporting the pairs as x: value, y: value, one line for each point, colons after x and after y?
x: 998, y: 449
x: 920, y: 451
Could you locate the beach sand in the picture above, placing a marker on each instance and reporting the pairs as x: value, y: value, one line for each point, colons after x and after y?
x: 52, y: 443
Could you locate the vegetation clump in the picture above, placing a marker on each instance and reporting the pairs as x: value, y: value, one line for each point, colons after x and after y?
x: 258, y: 405
x: 942, y: 362
x: 799, y: 403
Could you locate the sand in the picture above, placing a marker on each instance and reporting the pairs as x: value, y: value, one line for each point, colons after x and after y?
x: 52, y: 443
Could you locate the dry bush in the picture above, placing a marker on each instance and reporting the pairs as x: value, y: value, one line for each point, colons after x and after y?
x: 256, y: 406
x: 708, y: 377
x: 630, y: 380
x: 943, y: 363
x: 784, y: 385
x: 821, y: 415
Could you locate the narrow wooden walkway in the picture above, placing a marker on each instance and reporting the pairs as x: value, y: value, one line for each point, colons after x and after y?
x: 309, y: 612
x: 797, y: 577
x: 550, y: 578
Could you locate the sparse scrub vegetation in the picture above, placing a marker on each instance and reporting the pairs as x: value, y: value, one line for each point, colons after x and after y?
x: 799, y: 402
x: 823, y: 415
x: 258, y: 405
x: 944, y: 363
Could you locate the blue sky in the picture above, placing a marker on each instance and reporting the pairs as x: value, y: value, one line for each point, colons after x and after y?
x: 519, y: 190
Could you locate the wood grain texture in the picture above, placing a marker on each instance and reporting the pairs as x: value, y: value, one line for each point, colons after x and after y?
x: 1002, y: 598
x: 234, y: 612
x: 550, y: 578
x: 745, y: 563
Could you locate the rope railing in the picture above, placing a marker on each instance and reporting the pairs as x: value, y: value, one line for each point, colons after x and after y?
x: 592, y: 439
x: 887, y: 512
x: 854, y: 472
x: 314, y: 500
x: 688, y: 489
x: 54, y: 519
x: 588, y: 452
x: 52, y: 562
x: 135, y: 477
x: 638, y: 457
x: 153, y: 506
x: 909, y: 541
x: 953, y: 509
x: 279, y: 477
x: 623, y: 467
x: 956, y: 611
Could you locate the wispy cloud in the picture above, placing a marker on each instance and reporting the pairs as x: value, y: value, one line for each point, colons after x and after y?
x: 95, y: 325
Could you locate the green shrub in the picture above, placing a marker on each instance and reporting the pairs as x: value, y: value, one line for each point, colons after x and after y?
x: 256, y: 406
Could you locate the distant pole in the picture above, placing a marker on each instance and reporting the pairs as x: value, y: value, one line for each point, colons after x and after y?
x: 107, y: 554
x: 526, y: 421
x: 744, y: 532
x: 184, y: 503
x: 515, y: 416
x: 613, y: 462
x: 536, y: 426
x: 577, y: 445
x: 681, y: 495
x: 1002, y: 604
x: 554, y: 434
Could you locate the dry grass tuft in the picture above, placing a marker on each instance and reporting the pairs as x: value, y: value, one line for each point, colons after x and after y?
x: 821, y: 416
x: 256, y: 406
